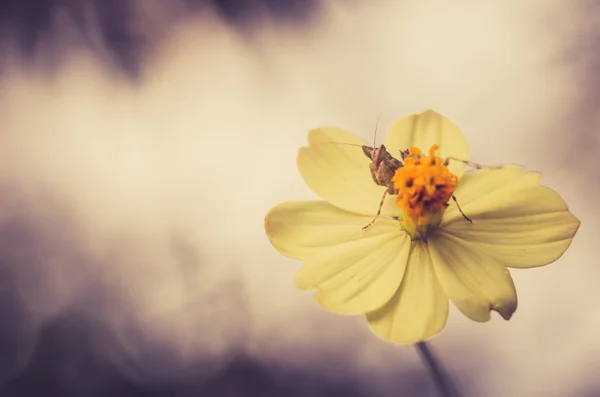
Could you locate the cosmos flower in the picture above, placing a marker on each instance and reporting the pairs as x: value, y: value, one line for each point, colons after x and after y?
x: 421, y: 252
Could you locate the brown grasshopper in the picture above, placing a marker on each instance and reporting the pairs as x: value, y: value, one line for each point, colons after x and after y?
x: 383, y: 167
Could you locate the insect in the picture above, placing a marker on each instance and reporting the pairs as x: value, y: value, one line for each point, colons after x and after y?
x: 383, y: 166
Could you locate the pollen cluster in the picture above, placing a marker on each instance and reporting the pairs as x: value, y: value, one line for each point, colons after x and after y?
x: 424, y: 185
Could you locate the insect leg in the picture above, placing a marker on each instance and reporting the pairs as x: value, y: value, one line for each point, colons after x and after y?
x: 460, y: 209
x: 378, y: 211
x: 469, y: 163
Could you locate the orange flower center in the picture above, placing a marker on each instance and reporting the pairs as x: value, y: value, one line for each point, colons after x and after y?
x: 424, y: 186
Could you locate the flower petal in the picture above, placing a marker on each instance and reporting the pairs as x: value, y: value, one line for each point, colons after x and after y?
x: 516, y: 220
x: 358, y: 276
x: 419, y: 308
x: 299, y: 229
x: 426, y: 129
x: 335, y: 168
x: 475, y: 282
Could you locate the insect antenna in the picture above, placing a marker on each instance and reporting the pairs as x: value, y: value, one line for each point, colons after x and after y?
x: 375, y: 133
x: 339, y: 143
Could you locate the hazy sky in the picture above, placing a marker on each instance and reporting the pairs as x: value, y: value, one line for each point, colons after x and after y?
x: 142, y: 144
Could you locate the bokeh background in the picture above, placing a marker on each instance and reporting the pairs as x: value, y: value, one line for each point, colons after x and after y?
x: 143, y: 141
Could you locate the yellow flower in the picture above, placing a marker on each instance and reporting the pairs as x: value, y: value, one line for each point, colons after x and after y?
x: 421, y: 252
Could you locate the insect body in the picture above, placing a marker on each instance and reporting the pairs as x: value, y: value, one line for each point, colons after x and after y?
x: 383, y: 167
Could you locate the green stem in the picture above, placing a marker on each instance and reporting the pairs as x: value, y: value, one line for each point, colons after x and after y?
x: 439, y: 375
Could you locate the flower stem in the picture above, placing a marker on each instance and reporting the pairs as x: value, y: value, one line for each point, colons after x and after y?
x: 439, y: 375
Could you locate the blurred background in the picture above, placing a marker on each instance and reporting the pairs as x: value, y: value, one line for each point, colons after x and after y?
x: 142, y: 142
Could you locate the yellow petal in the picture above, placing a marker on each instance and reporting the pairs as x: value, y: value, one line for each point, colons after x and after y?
x: 426, y: 129
x: 358, y: 276
x: 299, y: 229
x: 483, y: 186
x: 475, y: 282
x: 519, y: 222
x: 339, y: 172
x: 419, y: 308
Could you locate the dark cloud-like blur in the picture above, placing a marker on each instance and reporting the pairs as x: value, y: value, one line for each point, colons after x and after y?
x: 143, y: 141
x: 116, y: 24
